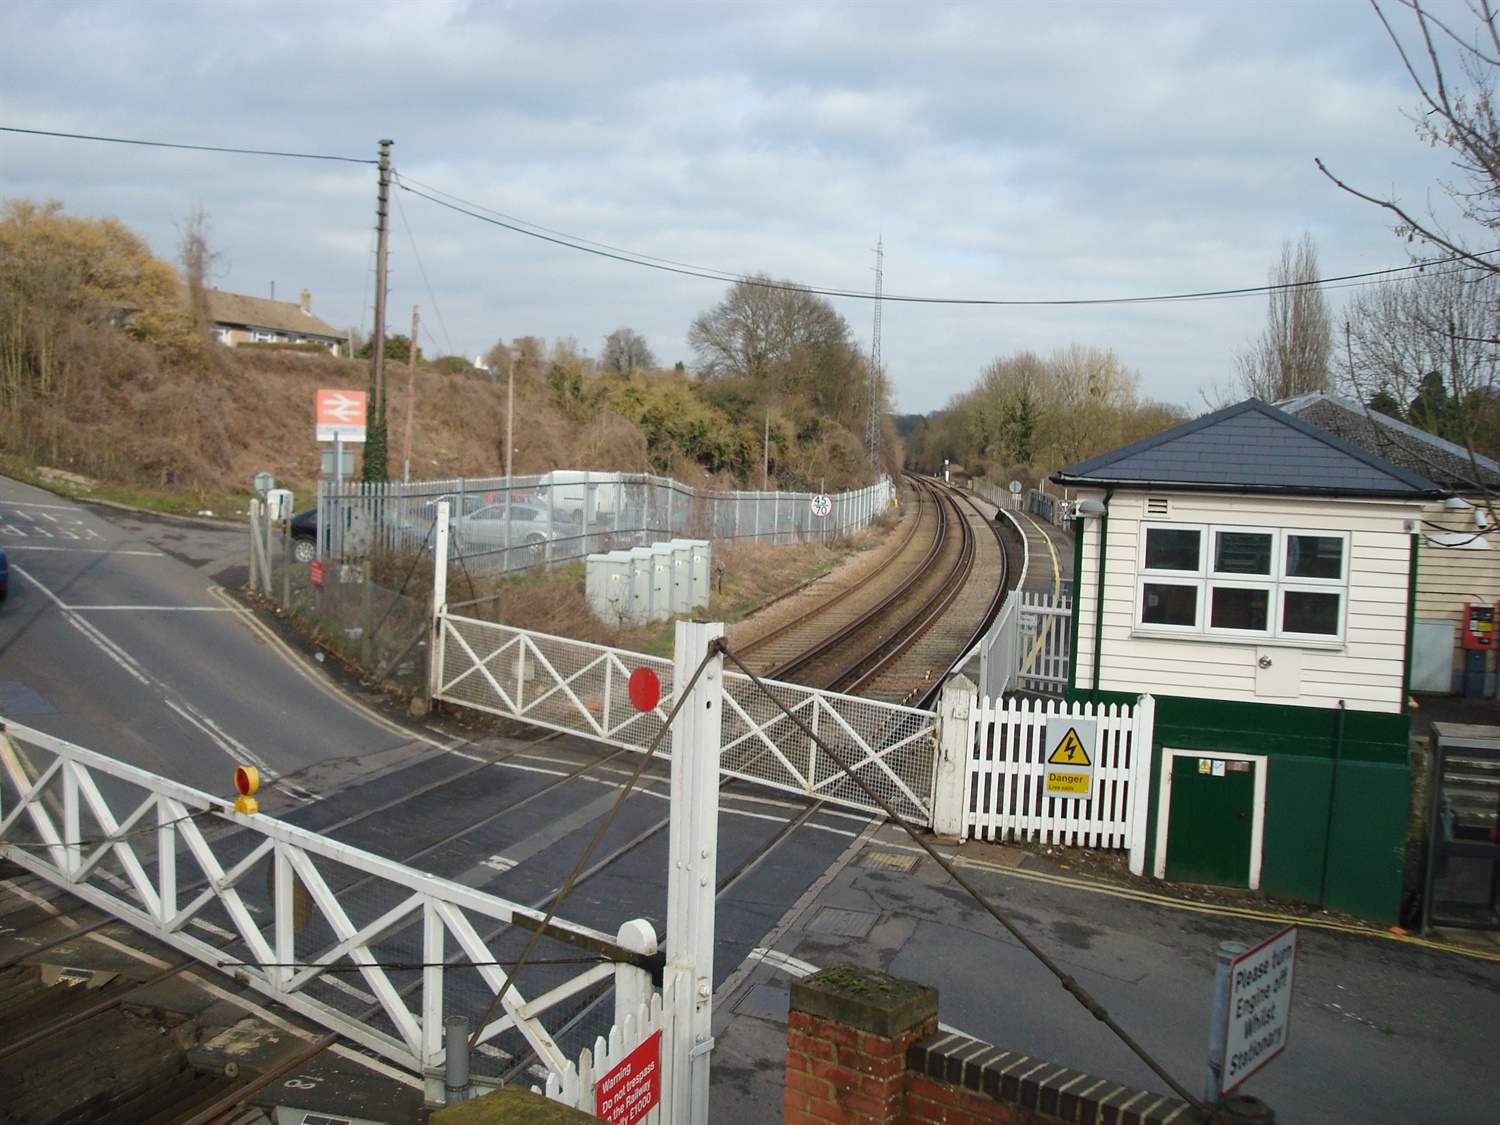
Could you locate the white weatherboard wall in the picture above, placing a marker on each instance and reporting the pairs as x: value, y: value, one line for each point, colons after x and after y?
x: 1458, y: 565
x: 1365, y: 669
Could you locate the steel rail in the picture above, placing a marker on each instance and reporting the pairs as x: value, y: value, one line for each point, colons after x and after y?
x: 833, y: 641
x: 919, y: 622
x: 828, y: 603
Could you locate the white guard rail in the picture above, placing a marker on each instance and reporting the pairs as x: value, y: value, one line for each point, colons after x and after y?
x: 329, y: 930
x: 581, y: 688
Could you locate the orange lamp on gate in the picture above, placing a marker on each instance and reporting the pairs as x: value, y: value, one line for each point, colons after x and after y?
x: 246, y: 782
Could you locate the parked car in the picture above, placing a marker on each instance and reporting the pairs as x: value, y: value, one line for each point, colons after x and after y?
x: 4, y: 575
x: 303, y: 529
x: 485, y: 529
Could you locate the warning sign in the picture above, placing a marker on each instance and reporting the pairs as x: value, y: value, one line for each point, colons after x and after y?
x: 1070, y: 751
x: 1070, y: 756
x: 1260, y: 1006
x: 633, y: 1088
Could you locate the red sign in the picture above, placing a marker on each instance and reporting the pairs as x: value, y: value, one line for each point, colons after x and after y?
x: 632, y: 1089
x: 339, y: 414
x: 645, y: 689
x: 315, y: 571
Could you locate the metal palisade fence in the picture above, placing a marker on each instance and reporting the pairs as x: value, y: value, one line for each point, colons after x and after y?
x: 502, y: 524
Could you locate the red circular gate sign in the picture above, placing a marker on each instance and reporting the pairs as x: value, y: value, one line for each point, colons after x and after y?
x: 645, y: 689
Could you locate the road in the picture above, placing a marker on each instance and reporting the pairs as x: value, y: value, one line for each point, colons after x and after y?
x: 117, y: 636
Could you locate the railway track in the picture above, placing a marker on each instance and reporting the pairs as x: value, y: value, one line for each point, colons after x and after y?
x: 892, y: 633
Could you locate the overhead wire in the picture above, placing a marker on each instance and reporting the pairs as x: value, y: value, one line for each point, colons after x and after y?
x: 422, y: 269
x: 190, y: 148
x: 603, y: 250
x: 574, y: 242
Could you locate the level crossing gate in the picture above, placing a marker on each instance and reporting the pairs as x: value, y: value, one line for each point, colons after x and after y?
x: 581, y: 688
x: 370, y: 948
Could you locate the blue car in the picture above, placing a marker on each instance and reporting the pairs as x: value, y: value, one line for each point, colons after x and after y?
x: 4, y: 575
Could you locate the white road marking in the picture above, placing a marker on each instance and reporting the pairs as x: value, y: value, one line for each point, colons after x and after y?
x: 82, y: 550
x: 232, y: 747
x: 160, y: 608
x: 33, y: 504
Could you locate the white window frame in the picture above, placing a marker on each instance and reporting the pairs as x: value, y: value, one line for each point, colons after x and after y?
x: 1277, y: 583
x: 262, y: 336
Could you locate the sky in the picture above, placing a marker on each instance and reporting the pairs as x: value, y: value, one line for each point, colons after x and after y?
x: 998, y: 151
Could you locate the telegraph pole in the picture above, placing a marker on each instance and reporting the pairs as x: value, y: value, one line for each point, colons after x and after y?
x: 375, y: 444
x: 872, y: 417
x: 411, y: 390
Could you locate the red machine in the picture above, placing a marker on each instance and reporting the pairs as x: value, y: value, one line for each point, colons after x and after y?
x: 1479, y: 625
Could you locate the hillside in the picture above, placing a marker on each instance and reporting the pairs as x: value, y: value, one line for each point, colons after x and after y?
x: 110, y: 369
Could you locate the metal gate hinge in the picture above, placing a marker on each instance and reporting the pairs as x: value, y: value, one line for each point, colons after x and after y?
x: 702, y: 1048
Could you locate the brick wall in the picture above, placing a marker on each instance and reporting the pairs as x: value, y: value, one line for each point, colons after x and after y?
x: 863, y: 1048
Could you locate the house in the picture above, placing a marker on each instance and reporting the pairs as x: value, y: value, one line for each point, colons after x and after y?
x: 1255, y: 574
x: 1459, y: 563
x: 240, y: 320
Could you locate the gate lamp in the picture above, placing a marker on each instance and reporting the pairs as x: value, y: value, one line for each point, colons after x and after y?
x: 246, y: 782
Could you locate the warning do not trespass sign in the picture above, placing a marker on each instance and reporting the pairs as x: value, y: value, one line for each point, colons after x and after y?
x: 1069, y: 756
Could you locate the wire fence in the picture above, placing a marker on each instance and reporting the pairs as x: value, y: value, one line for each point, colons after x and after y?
x: 503, y: 525
x: 356, y: 610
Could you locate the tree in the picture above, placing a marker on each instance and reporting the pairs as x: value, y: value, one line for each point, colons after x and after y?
x: 64, y: 279
x: 197, y: 260
x: 626, y: 350
x: 769, y: 341
x: 1422, y: 350
x: 1454, y: 73
x: 1291, y: 356
x: 397, y: 349
x: 1031, y: 413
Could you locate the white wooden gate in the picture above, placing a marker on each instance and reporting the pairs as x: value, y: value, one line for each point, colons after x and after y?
x: 1001, y: 785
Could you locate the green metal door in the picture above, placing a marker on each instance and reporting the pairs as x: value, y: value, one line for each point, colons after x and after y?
x: 1210, y: 821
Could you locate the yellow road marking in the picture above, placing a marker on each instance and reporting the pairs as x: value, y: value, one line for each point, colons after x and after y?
x: 1150, y: 898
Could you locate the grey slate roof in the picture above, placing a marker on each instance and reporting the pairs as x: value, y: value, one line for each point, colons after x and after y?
x: 1250, y: 447
x: 1397, y: 442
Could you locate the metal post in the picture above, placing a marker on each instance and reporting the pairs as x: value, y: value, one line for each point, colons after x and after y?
x: 456, y: 1059
x: 254, y: 546
x: 1219, y: 1021
x: 268, y: 575
x: 439, y: 598
x: 691, y: 879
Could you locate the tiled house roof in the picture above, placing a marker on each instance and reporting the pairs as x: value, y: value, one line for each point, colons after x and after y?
x: 1431, y: 456
x: 285, y: 317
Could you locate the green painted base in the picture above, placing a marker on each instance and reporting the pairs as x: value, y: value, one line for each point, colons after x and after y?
x: 1349, y: 786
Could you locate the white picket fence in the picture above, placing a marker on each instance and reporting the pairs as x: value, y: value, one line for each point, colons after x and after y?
x: 1004, y: 792
x: 577, y: 1085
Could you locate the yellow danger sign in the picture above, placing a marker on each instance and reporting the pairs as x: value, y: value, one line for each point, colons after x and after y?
x: 1069, y: 754
x: 1070, y: 751
x: 1072, y: 784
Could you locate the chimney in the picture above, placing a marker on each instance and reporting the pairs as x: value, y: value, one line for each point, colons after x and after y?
x: 307, y: 302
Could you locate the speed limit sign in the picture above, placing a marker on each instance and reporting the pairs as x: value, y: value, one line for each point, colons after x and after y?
x: 821, y: 505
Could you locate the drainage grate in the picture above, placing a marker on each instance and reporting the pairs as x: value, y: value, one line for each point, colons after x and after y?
x: 845, y: 923
x: 890, y: 861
